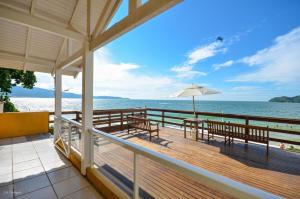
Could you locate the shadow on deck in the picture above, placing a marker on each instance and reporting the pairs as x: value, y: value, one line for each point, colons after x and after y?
x: 279, y: 173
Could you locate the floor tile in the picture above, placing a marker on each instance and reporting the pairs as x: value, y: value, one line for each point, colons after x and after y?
x: 6, y: 192
x: 4, y: 150
x: 33, y: 184
x: 44, y: 193
x: 51, y: 156
x: 88, y: 192
x: 62, y: 174
x: 6, y: 179
x: 6, y: 159
x: 28, y: 173
x: 6, y: 168
x: 26, y: 165
x: 24, y: 151
x: 24, y: 157
x: 56, y: 165
x: 70, y: 185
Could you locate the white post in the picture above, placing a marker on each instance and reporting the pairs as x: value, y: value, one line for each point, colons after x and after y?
x: 87, y: 108
x: 57, y: 112
x: 136, y: 176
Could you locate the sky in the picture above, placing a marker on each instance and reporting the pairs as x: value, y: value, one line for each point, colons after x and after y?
x: 257, y: 57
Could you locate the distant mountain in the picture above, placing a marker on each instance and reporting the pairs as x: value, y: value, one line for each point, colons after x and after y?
x: 47, y: 93
x: 295, y: 99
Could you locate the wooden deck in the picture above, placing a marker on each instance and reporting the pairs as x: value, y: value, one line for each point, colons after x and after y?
x: 279, y: 173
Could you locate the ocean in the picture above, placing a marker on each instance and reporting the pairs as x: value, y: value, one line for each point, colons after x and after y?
x: 272, y: 109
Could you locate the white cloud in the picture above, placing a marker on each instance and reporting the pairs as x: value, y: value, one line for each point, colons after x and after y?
x: 206, y: 51
x: 279, y: 63
x: 244, y: 88
x: 223, y: 65
x: 187, y: 72
x: 118, y: 79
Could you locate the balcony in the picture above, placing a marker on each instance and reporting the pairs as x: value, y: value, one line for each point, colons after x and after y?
x: 130, y: 166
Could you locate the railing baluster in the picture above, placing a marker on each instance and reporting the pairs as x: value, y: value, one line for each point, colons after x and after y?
x: 92, y: 149
x: 163, y: 118
x: 69, y: 139
x: 136, y: 176
x: 121, y: 118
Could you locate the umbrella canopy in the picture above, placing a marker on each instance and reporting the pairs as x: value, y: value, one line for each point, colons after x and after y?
x: 195, y: 90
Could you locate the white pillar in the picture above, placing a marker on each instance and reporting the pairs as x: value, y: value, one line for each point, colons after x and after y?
x: 87, y: 108
x: 57, y: 112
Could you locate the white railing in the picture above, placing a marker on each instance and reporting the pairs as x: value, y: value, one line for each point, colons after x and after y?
x: 202, y: 176
x: 69, y: 134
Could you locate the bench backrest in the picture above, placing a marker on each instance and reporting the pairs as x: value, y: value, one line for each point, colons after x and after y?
x: 139, y: 122
x: 241, y: 131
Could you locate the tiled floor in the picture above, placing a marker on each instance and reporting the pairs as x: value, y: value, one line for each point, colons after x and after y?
x: 31, y: 167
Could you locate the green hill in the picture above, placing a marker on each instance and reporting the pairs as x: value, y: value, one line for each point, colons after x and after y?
x: 295, y: 99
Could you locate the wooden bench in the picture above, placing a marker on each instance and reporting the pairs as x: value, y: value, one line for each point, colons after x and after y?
x: 239, y: 131
x: 142, y: 123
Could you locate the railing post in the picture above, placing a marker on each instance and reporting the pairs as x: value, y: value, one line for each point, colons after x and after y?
x: 77, y: 116
x: 163, y: 118
x: 109, y: 119
x: 121, y: 118
x: 247, y: 130
x: 136, y: 176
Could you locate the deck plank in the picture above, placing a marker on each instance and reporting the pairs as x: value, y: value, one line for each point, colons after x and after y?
x: 279, y: 173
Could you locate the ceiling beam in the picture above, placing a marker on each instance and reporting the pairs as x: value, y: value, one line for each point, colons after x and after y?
x: 28, y: 39
x: 70, y: 60
x: 27, y: 47
x: 141, y: 14
x: 74, y: 10
x: 38, y: 23
x: 109, y: 10
x: 133, y: 5
x: 32, y: 6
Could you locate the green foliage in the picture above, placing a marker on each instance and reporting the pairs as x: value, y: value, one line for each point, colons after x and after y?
x: 10, y: 78
x: 295, y: 99
x: 293, y: 149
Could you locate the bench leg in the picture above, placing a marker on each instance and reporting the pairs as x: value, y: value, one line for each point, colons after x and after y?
x: 268, y: 149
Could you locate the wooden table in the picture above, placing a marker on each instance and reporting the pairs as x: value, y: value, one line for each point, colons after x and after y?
x: 194, y: 122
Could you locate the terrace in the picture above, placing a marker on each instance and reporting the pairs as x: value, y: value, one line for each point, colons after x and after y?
x: 80, y: 161
x: 243, y: 162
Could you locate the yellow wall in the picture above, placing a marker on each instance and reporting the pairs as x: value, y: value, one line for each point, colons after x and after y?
x: 23, y: 123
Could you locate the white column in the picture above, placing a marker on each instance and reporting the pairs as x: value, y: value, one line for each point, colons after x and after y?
x: 57, y: 112
x: 87, y: 108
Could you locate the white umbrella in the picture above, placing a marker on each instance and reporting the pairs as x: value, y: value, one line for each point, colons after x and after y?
x: 193, y: 91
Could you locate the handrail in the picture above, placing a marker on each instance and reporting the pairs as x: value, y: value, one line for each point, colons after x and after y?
x: 218, y: 182
x: 74, y: 123
x: 235, y: 116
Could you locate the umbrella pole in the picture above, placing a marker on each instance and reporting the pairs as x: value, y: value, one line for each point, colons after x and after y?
x: 194, y: 108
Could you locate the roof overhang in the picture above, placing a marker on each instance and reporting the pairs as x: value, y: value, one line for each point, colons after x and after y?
x: 43, y: 36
